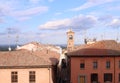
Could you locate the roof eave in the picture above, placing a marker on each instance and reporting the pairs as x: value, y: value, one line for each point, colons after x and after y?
x: 26, y: 67
x: 117, y: 55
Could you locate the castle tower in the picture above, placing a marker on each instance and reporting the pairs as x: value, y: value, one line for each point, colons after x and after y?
x: 70, y: 40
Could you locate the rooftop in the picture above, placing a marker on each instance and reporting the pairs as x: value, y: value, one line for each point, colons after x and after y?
x: 102, y: 48
x: 28, y: 58
x: 35, y: 46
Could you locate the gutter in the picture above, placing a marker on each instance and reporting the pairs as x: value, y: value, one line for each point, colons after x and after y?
x: 25, y: 67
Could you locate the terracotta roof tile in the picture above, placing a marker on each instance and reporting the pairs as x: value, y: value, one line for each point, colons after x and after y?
x: 105, y: 47
x: 27, y: 58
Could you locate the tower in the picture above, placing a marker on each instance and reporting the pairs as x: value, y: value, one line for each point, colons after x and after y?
x: 70, y: 40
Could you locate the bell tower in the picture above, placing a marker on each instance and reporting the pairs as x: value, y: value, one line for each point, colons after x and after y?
x: 70, y: 40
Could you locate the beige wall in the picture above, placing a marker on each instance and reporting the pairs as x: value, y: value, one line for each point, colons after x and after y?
x: 43, y: 75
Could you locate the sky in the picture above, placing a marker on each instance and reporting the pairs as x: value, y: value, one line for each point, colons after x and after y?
x: 47, y: 21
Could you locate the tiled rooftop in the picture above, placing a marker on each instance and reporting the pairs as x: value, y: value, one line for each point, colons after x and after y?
x: 105, y: 47
x: 28, y: 58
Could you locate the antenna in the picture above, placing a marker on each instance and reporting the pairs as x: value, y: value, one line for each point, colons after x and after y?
x: 17, y: 40
x: 101, y: 37
x: 117, y: 39
x: 85, y: 36
x: 9, y: 48
x: 9, y: 30
x: 85, y: 32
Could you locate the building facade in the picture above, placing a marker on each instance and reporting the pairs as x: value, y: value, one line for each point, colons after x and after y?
x: 95, y: 63
x: 95, y: 69
x: 28, y: 67
x: 26, y: 75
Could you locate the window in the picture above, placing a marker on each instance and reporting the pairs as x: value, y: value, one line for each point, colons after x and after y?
x: 119, y: 77
x: 32, y: 76
x: 119, y: 64
x: 94, y: 78
x: 14, y: 77
x: 71, y: 37
x: 107, y: 77
x: 108, y: 64
x: 82, y: 65
x: 95, y: 64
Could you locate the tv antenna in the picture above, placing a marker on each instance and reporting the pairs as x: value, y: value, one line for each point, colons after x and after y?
x: 117, y: 39
x: 9, y: 48
x: 17, y: 40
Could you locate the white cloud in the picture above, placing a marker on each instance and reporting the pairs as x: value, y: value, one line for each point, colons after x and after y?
x: 90, y: 3
x: 23, y: 18
x: 30, y: 11
x: 15, y: 9
x: 78, y: 22
x: 115, y: 23
x: 6, y: 8
x: 55, y: 24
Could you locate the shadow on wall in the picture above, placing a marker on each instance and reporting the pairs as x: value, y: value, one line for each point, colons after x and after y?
x: 54, y: 62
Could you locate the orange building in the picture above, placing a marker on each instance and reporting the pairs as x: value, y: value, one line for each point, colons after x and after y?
x: 95, y: 63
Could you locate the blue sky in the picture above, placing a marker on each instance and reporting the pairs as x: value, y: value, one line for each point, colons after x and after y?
x: 47, y: 21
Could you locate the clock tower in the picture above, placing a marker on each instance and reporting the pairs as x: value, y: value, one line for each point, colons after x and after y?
x: 70, y: 40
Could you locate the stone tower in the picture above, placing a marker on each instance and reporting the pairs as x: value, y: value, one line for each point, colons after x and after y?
x: 70, y: 40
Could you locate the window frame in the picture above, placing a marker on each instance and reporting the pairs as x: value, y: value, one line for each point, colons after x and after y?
x: 71, y: 37
x: 32, y: 76
x: 108, y: 64
x: 82, y: 65
x: 94, y: 77
x: 95, y: 65
x: 119, y: 77
x: 108, y: 77
x: 119, y: 63
x: 14, y: 77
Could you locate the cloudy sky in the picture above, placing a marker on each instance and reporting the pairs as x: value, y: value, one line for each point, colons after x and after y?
x: 47, y: 21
